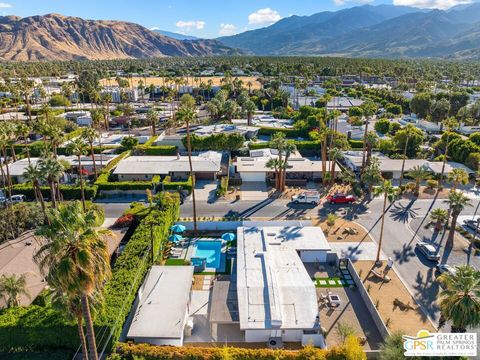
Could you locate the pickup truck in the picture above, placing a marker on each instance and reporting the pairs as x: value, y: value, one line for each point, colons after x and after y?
x: 340, y: 199
x: 307, y: 197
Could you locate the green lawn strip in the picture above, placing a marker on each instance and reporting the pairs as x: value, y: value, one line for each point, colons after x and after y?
x: 327, y: 285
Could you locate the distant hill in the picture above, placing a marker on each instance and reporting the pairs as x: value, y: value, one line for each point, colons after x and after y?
x: 177, y: 36
x: 57, y: 37
x: 369, y: 31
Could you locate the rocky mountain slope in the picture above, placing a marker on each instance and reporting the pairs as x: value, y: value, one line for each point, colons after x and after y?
x: 57, y: 37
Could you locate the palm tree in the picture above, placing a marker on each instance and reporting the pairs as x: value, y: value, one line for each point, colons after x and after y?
x: 371, y: 140
x: 52, y: 170
x: 11, y: 287
x: 23, y: 130
x: 335, y: 155
x: 439, y: 216
x: 372, y: 175
x: 274, y: 164
x: 279, y: 142
x: 289, y: 149
x: 74, y: 258
x: 230, y: 108
x: 419, y: 174
x: 408, y: 133
x: 90, y: 135
x: 456, y: 177
x: 457, y: 202
x: 33, y: 175
x: 389, y: 194
x: 152, y: 118
x: 78, y: 148
x: 6, y: 165
x: 460, y: 298
x: 250, y: 109
x: 449, y: 124
x: 188, y: 114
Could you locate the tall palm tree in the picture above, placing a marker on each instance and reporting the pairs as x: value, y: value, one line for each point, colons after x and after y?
x: 6, y: 166
x: 74, y: 258
x: 279, y: 142
x: 456, y: 201
x: 371, y: 175
x: 33, y: 175
x: 389, y: 193
x: 78, y: 147
x: 152, y: 118
x: 250, y: 109
x: 23, y: 130
x: 460, y: 298
x: 408, y: 133
x: 11, y: 287
x: 188, y: 115
x: 53, y: 171
x: 274, y: 163
x: 289, y: 149
x: 456, y: 177
x: 371, y: 140
x: 335, y: 155
x: 90, y: 135
x: 449, y: 124
x: 418, y: 174
x: 440, y: 216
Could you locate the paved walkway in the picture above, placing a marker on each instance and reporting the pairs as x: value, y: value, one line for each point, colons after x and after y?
x: 356, y: 251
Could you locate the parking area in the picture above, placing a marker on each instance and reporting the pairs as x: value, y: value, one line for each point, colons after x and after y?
x: 254, y: 191
x: 205, y: 190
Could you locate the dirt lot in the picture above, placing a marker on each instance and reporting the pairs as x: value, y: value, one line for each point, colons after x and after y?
x: 338, y: 231
x: 159, y: 81
x: 426, y: 193
x: 406, y: 316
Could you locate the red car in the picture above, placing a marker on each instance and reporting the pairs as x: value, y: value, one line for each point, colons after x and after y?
x: 340, y: 199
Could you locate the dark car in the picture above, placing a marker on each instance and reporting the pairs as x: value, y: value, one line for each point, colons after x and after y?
x: 340, y: 199
x: 429, y: 250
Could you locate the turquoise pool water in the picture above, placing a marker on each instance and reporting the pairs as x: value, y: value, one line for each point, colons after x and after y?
x: 211, y: 251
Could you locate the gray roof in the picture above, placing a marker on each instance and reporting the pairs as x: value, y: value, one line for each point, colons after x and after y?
x: 163, y: 302
x: 209, y: 161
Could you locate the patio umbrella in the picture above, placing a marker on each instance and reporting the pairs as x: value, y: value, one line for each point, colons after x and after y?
x: 228, y: 236
x: 178, y: 228
x: 175, y: 238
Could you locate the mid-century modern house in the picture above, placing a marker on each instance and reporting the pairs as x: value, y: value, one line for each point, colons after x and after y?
x: 392, y: 168
x: 160, y: 311
x: 227, y: 129
x: 277, y: 299
x: 254, y: 168
x: 206, y: 166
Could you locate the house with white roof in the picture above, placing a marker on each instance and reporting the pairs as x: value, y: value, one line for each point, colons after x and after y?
x: 206, y: 166
x: 277, y: 299
x: 227, y: 129
x: 160, y: 311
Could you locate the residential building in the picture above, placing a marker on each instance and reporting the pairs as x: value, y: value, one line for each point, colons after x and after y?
x: 343, y: 103
x: 160, y: 311
x: 207, y: 130
x: 206, y: 166
x: 277, y: 300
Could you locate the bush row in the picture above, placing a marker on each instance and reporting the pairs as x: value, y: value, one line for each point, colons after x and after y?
x: 42, y: 328
x: 175, y: 185
x: 69, y: 192
x: 164, y: 150
x: 304, y: 146
x: 289, y: 133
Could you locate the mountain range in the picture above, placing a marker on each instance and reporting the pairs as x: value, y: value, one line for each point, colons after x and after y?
x: 57, y: 37
x: 369, y: 31
x: 175, y: 35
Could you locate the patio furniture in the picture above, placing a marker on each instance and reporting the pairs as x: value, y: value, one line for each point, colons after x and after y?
x: 380, y: 276
x: 228, y: 237
x: 179, y: 228
x: 175, y: 238
x: 334, y: 299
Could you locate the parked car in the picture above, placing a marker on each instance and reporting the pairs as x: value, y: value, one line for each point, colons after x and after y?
x: 472, y: 224
x: 340, y: 199
x: 307, y: 197
x: 14, y: 199
x: 445, y: 268
x: 429, y: 250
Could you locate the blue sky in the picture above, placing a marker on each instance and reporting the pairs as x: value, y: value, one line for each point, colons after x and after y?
x: 208, y: 18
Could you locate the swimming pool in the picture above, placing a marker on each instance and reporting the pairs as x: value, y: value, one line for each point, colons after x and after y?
x: 211, y: 251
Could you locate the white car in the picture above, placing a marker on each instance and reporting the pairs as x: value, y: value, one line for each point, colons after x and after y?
x: 14, y: 199
x: 307, y: 197
x: 445, y: 268
x: 429, y: 250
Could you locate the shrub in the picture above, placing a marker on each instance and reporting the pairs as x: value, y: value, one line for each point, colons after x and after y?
x: 473, y: 160
x: 177, y: 185
x: 124, y: 221
x: 356, y: 144
x: 19, y: 218
x: 156, y: 150
x: 69, y: 192
x: 382, y: 126
x: 432, y: 184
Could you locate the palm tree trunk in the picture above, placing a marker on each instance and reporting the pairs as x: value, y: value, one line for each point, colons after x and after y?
x: 324, y: 161
x: 333, y: 172
x: 453, y: 225
x: 82, y: 337
x: 365, y: 143
x: 192, y: 175
x: 92, y: 353
x: 80, y: 175
x: 403, y: 162
x: 440, y: 181
x: 27, y: 149
x: 12, y: 149
x: 93, y: 159
x: 7, y: 171
x: 381, y: 229
x: 52, y: 193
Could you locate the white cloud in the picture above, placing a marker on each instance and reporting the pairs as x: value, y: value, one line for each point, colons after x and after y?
x: 227, y: 29
x: 431, y: 4
x: 264, y: 17
x: 343, y: 2
x: 155, y: 28
x: 5, y: 5
x: 190, y: 25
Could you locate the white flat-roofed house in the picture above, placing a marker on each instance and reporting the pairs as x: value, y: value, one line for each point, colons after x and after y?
x: 276, y: 297
x: 207, y: 130
x: 206, y: 166
x: 254, y: 168
x: 343, y: 103
x: 160, y: 311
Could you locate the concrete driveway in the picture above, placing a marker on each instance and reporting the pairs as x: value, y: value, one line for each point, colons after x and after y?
x: 254, y: 191
x: 206, y: 190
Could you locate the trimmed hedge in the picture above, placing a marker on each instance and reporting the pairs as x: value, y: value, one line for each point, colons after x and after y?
x: 356, y: 144
x: 289, y: 133
x: 350, y: 350
x: 37, y: 328
x: 306, y: 146
x: 69, y: 192
x: 174, y: 185
x: 164, y: 150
